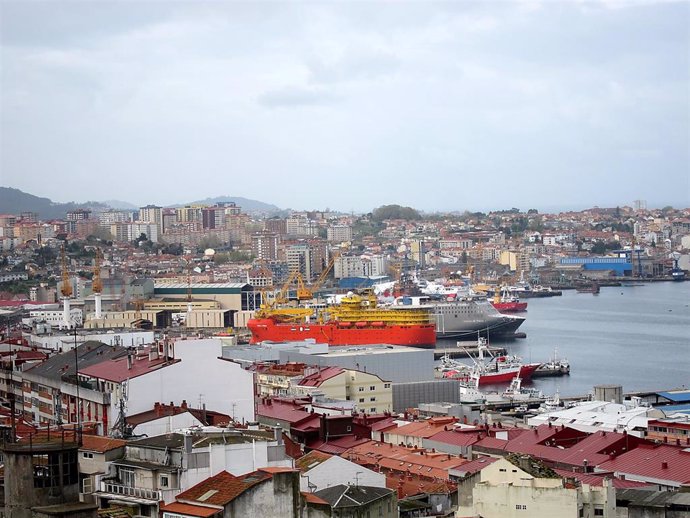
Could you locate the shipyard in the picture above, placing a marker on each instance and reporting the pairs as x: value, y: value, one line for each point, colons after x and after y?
x: 344, y: 259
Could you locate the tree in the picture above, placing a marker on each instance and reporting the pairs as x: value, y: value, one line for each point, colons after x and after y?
x: 395, y: 212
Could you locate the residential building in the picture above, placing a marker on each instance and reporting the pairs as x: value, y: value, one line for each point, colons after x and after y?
x: 520, y: 486
x: 413, y: 434
x: 264, y: 492
x: 347, y: 500
x: 95, y: 455
x: 152, y: 214
x: 321, y: 470
x: 367, y: 391
x: 265, y: 245
x: 339, y: 233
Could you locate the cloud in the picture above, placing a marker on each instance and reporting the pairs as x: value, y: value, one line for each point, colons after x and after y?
x: 296, y: 97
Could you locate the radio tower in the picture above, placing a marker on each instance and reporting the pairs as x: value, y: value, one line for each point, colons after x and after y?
x: 97, y: 284
x: 66, y: 290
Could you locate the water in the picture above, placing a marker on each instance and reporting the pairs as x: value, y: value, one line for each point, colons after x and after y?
x: 636, y: 336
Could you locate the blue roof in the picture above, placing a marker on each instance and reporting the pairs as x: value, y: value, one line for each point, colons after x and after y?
x: 680, y: 396
x: 674, y: 409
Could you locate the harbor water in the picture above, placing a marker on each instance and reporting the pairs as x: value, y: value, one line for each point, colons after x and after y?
x: 637, y: 336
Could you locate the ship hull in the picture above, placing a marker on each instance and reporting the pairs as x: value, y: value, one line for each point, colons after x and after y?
x: 510, y: 307
x: 468, y: 319
x: 360, y: 333
x: 506, y: 376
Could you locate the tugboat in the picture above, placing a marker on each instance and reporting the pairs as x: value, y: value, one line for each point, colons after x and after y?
x: 554, y: 367
x: 676, y: 273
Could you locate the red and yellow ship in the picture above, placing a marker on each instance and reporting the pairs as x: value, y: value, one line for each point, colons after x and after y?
x: 356, y: 320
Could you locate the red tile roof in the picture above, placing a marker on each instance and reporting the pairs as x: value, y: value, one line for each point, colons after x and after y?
x: 316, y: 379
x: 424, y: 429
x: 190, y: 509
x: 311, y: 498
x: 117, y: 370
x: 659, y: 462
x: 595, y: 479
x: 566, y: 446
x: 383, y: 456
x: 222, y: 488
x: 311, y: 460
x: 338, y: 446
x: 283, y: 410
x: 100, y: 444
x: 474, y: 466
x: 459, y: 437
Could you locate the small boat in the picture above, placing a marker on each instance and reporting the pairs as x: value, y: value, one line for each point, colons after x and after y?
x: 592, y: 288
x: 551, y: 404
x: 554, y: 367
x: 517, y: 392
x: 507, y: 302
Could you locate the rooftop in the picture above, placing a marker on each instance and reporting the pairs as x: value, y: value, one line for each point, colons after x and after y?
x: 344, y: 496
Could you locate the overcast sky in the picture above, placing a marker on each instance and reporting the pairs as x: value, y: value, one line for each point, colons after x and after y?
x: 348, y: 105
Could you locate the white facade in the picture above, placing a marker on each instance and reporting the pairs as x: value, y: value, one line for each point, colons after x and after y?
x: 150, y: 229
x: 506, y: 491
x: 167, y: 424
x: 56, y: 318
x: 339, y: 233
x: 201, y: 375
x: 337, y: 470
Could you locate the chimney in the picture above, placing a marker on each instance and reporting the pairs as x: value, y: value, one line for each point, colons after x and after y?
x: 188, y: 441
x: 157, y: 408
x: 129, y: 358
x: 278, y: 435
x: 183, y: 405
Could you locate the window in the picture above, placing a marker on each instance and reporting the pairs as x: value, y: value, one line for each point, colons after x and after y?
x: 372, y: 410
x: 521, y: 507
x: 165, y: 481
x: 386, y: 385
x: 372, y: 387
x: 87, y: 455
x: 598, y: 512
x: 361, y: 400
x: 361, y: 389
x: 127, y: 477
x: 372, y: 399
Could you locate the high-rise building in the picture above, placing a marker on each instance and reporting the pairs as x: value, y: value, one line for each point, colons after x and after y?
x: 418, y: 251
x: 152, y: 214
x: 276, y: 225
x: 265, y: 245
x: 339, y: 233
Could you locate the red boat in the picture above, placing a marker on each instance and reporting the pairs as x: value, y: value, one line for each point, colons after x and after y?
x: 508, y: 303
x: 356, y: 320
x: 498, y: 369
x: 343, y: 333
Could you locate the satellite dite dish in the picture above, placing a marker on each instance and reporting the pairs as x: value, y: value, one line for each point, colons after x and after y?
x: 209, y: 252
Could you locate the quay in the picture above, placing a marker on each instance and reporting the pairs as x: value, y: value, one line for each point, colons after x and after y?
x: 465, y: 350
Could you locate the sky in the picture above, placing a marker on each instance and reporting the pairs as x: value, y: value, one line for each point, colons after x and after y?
x: 348, y: 105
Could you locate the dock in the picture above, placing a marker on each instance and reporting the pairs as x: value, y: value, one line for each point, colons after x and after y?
x: 464, y: 350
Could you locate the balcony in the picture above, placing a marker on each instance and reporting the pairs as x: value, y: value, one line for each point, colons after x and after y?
x: 134, y: 492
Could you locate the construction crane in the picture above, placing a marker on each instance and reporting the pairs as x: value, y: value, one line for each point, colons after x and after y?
x: 97, y: 283
x: 324, y: 274
x: 66, y: 288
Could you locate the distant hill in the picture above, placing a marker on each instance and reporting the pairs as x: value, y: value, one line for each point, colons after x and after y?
x: 246, y: 204
x: 14, y: 201
x: 120, y: 205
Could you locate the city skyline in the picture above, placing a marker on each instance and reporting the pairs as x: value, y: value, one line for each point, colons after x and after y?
x: 439, y: 107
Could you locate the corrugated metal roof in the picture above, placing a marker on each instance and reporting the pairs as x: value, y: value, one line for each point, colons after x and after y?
x: 658, y: 462
x: 677, y: 396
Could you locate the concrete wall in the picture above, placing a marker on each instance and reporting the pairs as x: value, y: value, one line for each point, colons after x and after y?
x: 410, y: 395
x: 277, y: 497
x: 337, y: 470
x: 223, y: 385
x: 167, y: 424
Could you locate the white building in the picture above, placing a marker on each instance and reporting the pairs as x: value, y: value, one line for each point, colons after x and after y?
x: 593, y: 416
x: 321, y: 470
x: 199, y: 375
x: 339, y: 233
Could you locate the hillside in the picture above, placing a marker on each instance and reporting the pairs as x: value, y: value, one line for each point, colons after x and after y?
x: 246, y: 204
x: 14, y: 201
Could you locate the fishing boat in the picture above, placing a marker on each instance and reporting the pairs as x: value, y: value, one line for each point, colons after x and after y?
x: 505, y: 302
x: 489, y: 369
x: 554, y: 367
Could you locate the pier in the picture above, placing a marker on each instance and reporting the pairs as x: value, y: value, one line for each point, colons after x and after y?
x: 465, y: 350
